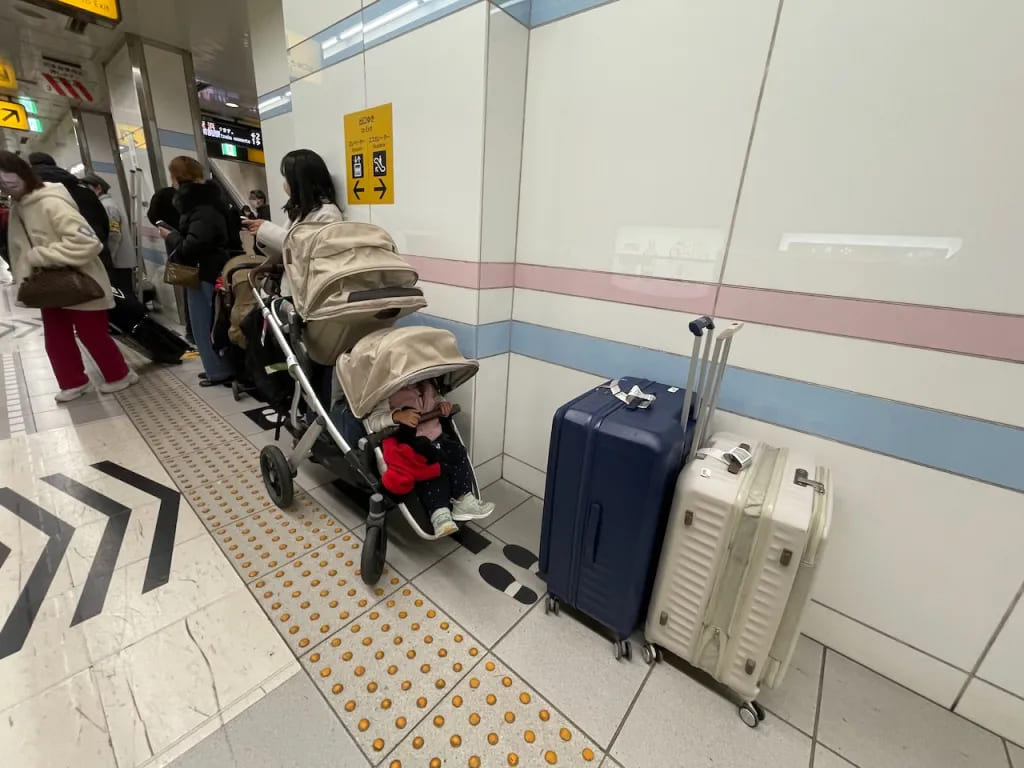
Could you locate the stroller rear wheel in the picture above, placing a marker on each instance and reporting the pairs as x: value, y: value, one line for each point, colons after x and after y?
x: 375, y: 550
x: 277, y: 476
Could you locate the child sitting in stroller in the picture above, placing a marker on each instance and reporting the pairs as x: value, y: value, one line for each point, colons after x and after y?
x: 447, y: 498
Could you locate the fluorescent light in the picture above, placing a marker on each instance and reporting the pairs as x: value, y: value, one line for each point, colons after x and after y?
x: 230, y: 104
x: 273, y: 101
x: 390, y: 16
x: 74, y: 170
x: 35, y: 125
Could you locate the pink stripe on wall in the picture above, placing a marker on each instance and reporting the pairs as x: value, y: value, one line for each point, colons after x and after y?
x: 465, y: 274
x: 654, y: 292
x: 953, y: 330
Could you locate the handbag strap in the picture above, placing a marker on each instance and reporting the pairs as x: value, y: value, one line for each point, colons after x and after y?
x: 24, y: 229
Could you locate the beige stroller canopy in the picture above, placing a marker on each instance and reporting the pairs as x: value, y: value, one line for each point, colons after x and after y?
x: 386, y: 361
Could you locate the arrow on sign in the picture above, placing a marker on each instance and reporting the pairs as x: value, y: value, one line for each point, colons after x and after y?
x: 11, y: 114
x: 357, y: 190
x: 383, y: 188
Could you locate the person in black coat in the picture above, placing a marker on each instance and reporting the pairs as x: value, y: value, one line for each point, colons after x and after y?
x: 89, y: 205
x: 201, y: 240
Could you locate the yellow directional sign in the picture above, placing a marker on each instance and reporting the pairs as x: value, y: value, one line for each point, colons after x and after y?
x: 8, y: 79
x: 13, y: 115
x: 369, y: 145
x: 106, y: 12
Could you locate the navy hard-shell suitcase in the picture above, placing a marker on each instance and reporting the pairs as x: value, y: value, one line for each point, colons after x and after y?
x: 615, y: 455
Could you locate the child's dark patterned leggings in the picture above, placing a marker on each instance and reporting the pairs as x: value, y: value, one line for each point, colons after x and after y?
x: 456, y: 478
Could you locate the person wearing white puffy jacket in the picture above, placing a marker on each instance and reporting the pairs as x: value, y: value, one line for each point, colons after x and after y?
x: 45, y: 230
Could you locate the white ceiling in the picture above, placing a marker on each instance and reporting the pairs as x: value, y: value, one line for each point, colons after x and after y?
x: 216, y: 32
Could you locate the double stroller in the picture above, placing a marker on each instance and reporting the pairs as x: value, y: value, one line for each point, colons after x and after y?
x: 336, y: 340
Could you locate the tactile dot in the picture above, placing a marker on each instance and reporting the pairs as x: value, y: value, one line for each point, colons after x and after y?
x: 359, y: 671
x: 350, y: 705
x: 364, y: 724
x: 507, y: 682
x: 438, y: 721
x: 474, y: 683
x: 440, y: 684
x: 371, y: 687
x: 550, y: 757
x: 492, y: 699
x: 395, y: 764
x: 455, y: 740
x: 401, y: 722
x: 421, y: 702
x: 529, y: 737
x: 417, y: 743
x: 425, y: 668
x: 490, y: 666
x: 492, y: 739
x: 524, y: 697
x: 392, y: 669
x: 474, y: 762
x: 564, y: 734
x: 325, y: 672
x: 473, y: 651
x: 385, y: 704
x: 337, y: 688
x: 513, y: 758
x: 378, y: 745
x: 457, y: 701
x: 510, y: 717
x: 315, y: 658
x: 435, y: 762
x: 588, y: 754
x: 347, y: 655
x: 474, y: 719
x: 335, y: 642
x: 545, y: 715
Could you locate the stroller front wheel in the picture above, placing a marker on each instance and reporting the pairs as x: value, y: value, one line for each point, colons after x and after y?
x: 375, y: 550
x: 277, y: 476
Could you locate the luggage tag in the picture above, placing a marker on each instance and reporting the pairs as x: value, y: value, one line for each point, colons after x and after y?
x: 737, y: 458
x: 635, y: 398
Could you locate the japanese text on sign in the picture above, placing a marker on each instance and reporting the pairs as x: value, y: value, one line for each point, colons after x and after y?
x: 369, y: 146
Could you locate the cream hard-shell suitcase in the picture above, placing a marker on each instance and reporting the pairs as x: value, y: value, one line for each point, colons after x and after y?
x: 745, y: 535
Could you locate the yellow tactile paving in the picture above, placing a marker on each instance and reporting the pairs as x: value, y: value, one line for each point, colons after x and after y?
x: 165, y: 411
x: 385, y: 670
x: 203, y: 463
x: 221, y: 504
x: 493, y: 719
x: 266, y: 540
x: 314, y: 596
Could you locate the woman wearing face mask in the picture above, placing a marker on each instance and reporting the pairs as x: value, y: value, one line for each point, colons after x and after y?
x: 311, y: 198
x: 45, y: 231
x: 202, y: 241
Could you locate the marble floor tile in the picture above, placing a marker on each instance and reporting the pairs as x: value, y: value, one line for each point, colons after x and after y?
x: 26, y: 545
x: 63, y: 726
x: 219, y: 655
x: 1016, y: 755
x: 522, y: 525
x: 874, y: 722
x: 270, y: 539
x: 243, y: 424
x: 199, y: 575
x: 573, y: 667
x: 384, y: 671
x: 291, y: 726
x: 347, y: 511
x: 505, y: 496
x: 796, y: 700
x: 498, y: 719
x: 456, y: 585
x: 678, y: 721
x: 314, y: 596
x: 826, y: 758
x: 52, y: 651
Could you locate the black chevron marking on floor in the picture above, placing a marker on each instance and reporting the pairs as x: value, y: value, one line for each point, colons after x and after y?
x: 4, y: 552
x: 158, y: 570
x: 94, y: 593
x: 23, y: 614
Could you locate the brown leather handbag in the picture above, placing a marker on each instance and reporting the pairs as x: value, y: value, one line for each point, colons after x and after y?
x: 179, y: 274
x: 56, y: 287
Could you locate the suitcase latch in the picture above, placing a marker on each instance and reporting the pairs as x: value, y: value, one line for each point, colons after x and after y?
x: 688, y: 517
x: 787, y: 558
x: 663, y: 619
x: 801, y: 478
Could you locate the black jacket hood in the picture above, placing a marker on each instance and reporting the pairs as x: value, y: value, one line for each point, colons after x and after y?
x: 192, y: 195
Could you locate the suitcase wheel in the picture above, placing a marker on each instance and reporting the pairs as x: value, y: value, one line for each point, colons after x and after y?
x: 622, y: 649
x: 751, y: 713
x: 551, y: 605
x: 651, y: 654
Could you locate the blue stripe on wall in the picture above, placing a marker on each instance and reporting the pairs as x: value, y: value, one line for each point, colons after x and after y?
x: 959, y: 444
x: 475, y: 341
x: 100, y: 167
x: 177, y: 140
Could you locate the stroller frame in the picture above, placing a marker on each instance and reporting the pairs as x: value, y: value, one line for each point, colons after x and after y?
x: 358, y: 465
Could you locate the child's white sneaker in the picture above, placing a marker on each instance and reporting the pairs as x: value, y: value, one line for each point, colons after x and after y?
x: 443, y: 523
x: 117, y: 386
x: 469, y: 507
x: 67, y: 395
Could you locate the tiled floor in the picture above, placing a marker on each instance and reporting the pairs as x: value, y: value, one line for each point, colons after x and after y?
x: 243, y: 636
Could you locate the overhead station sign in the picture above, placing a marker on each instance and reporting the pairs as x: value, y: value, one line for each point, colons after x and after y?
x: 232, y: 133
x: 104, y: 12
x: 13, y: 116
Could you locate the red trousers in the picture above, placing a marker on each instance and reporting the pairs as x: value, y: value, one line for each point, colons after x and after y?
x: 59, y: 327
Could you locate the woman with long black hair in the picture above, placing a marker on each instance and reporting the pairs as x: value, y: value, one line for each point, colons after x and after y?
x: 311, y: 198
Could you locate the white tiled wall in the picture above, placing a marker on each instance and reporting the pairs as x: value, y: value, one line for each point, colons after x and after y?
x: 303, y: 18
x: 889, y: 120
x: 434, y: 77
x: 278, y: 140
x: 170, y: 91
x: 632, y: 151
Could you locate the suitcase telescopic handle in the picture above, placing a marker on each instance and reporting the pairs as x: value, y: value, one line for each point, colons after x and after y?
x: 697, y: 362
x: 698, y: 326
x: 709, y: 398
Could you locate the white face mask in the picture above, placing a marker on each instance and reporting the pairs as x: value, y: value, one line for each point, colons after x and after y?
x: 12, y: 184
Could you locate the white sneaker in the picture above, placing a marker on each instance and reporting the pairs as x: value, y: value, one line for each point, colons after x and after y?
x: 469, y: 507
x: 116, y: 386
x: 67, y: 395
x: 443, y: 523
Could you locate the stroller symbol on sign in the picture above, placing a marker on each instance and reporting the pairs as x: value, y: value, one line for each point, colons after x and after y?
x: 380, y: 163
x: 357, y: 166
